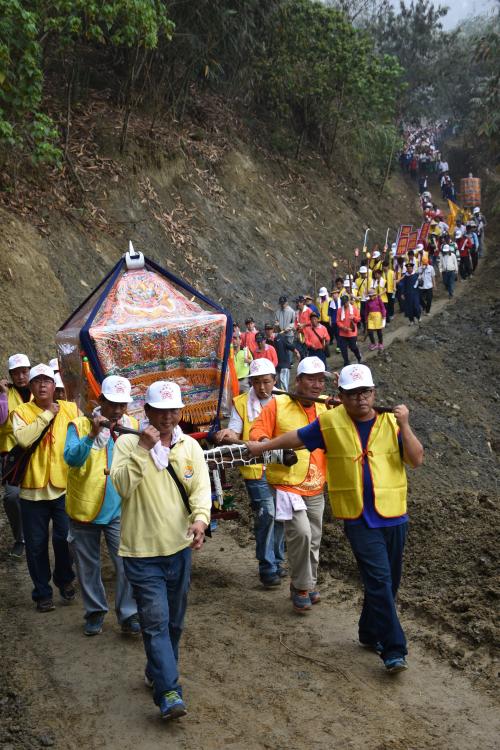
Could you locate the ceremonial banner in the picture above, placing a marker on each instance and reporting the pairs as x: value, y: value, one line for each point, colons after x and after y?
x: 452, y: 216
x: 423, y: 233
x: 412, y: 240
x: 403, y: 239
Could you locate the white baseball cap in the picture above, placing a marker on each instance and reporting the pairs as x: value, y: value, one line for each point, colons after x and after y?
x: 394, y: 246
x: 117, y: 389
x: 420, y: 246
x: 164, y: 394
x: 477, y: 210
x: 323, y: 292
x: 312, y: 366
x: 355, y: 376
x: 18, y: 360
x: 446, y: 249
x: 42, y: 369
x: 58, y: 381
x: 55, y: 365
x: 458, y: 233
x: 261, y: 366
x: 376, y: 254
x: 363, y: 269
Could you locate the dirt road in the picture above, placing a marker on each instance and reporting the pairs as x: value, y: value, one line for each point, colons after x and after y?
x: 244, y: 688
x: 246, y: 681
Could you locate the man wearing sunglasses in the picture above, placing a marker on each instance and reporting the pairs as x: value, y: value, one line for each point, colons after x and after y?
x: 365, y: 455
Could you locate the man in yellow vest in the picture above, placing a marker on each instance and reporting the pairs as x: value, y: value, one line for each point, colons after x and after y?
x: 43, y: 487
x: 15, y: 392
x: 299, y: 489
x: 365, y: 455
x: 269, y: 533
x: 94, y: 506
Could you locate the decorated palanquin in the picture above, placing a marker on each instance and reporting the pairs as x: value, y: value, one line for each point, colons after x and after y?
x: 145, y: 324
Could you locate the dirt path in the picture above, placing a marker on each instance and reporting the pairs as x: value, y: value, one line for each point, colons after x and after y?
x: 244, y: 689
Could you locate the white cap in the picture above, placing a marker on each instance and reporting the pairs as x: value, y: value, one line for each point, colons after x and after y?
x: 323, y: 292
x: 376, y: 254
x: 477, y: 210
x: 394, y: 246
x: 312, y: 366
x: 347, y: 283
x: 18, y: 360
x: 458, y: 232
x: 55, y: 366
x: 164, y: 394
x: 42, y: 370
x: 363, y: 269
x: 355, y: 376
x: 117, y: 389
x: 446, y: 249
x: 261, y: 366
x: 420, y: 246
x: 58, y: 381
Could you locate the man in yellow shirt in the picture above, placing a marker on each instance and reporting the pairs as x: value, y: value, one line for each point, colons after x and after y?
x: 164, y: 483
x: 14, y: 392
x: 43, y: 486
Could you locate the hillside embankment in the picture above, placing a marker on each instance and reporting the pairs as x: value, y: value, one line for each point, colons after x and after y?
x: 255, y: 675
x: 209, y: 204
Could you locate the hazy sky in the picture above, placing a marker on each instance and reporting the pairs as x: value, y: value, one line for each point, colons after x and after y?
x: 459, y: 9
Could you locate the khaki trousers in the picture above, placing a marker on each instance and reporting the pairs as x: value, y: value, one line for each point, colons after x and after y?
x: 303, y: 538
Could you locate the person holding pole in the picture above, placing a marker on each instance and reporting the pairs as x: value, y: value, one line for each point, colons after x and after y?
x: 366, y: 451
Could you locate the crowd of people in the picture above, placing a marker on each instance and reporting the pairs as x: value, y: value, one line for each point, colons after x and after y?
x: 146, y: 488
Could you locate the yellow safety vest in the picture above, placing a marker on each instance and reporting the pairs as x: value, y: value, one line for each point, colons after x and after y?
x: 240, y: 404
x: 87, y: 484
x: 47, y: 463
x: 323, y: 309
x: 389, y: 281
x: 344, y: 459
x: 381, y: 292
x: 290, y: 415
x: 7, y: 439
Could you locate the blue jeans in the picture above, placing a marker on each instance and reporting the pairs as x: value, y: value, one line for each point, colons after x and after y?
x: 269, y: 534
x: 160, y: 586
x: 379, y: 554
x: 449, y: 281
x: 37, y: 515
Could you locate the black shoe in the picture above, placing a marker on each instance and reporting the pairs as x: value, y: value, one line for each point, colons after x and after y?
x: 270, y: 582
x: 131, y: 626
x: 17, y: 550
x: 45, y: 605
x: 68, y: 592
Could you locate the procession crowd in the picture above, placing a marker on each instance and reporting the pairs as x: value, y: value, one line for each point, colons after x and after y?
x: 146, y: 489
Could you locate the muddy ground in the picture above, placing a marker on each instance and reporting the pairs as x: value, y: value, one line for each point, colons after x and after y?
x: 258, y: 676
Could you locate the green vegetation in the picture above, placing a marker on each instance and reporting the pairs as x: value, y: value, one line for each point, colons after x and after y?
x: 327, y: 75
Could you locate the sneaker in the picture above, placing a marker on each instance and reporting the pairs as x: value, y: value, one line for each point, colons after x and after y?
x: 172, y: 706
x: 148, y: 680
x: 337, y: 350
x: 376, y: 647
x: 315, y: 597
x: 381, y: 347
x: 17, y: 550
x: 396, y: 664
x: 131, y: 626
x: 45, y: 605
x: 282, y: 573
x: 94, y: 623
x: 68, y: 592
x: 372, y: 347
x: 270, y: 582
x: 301, y: 600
